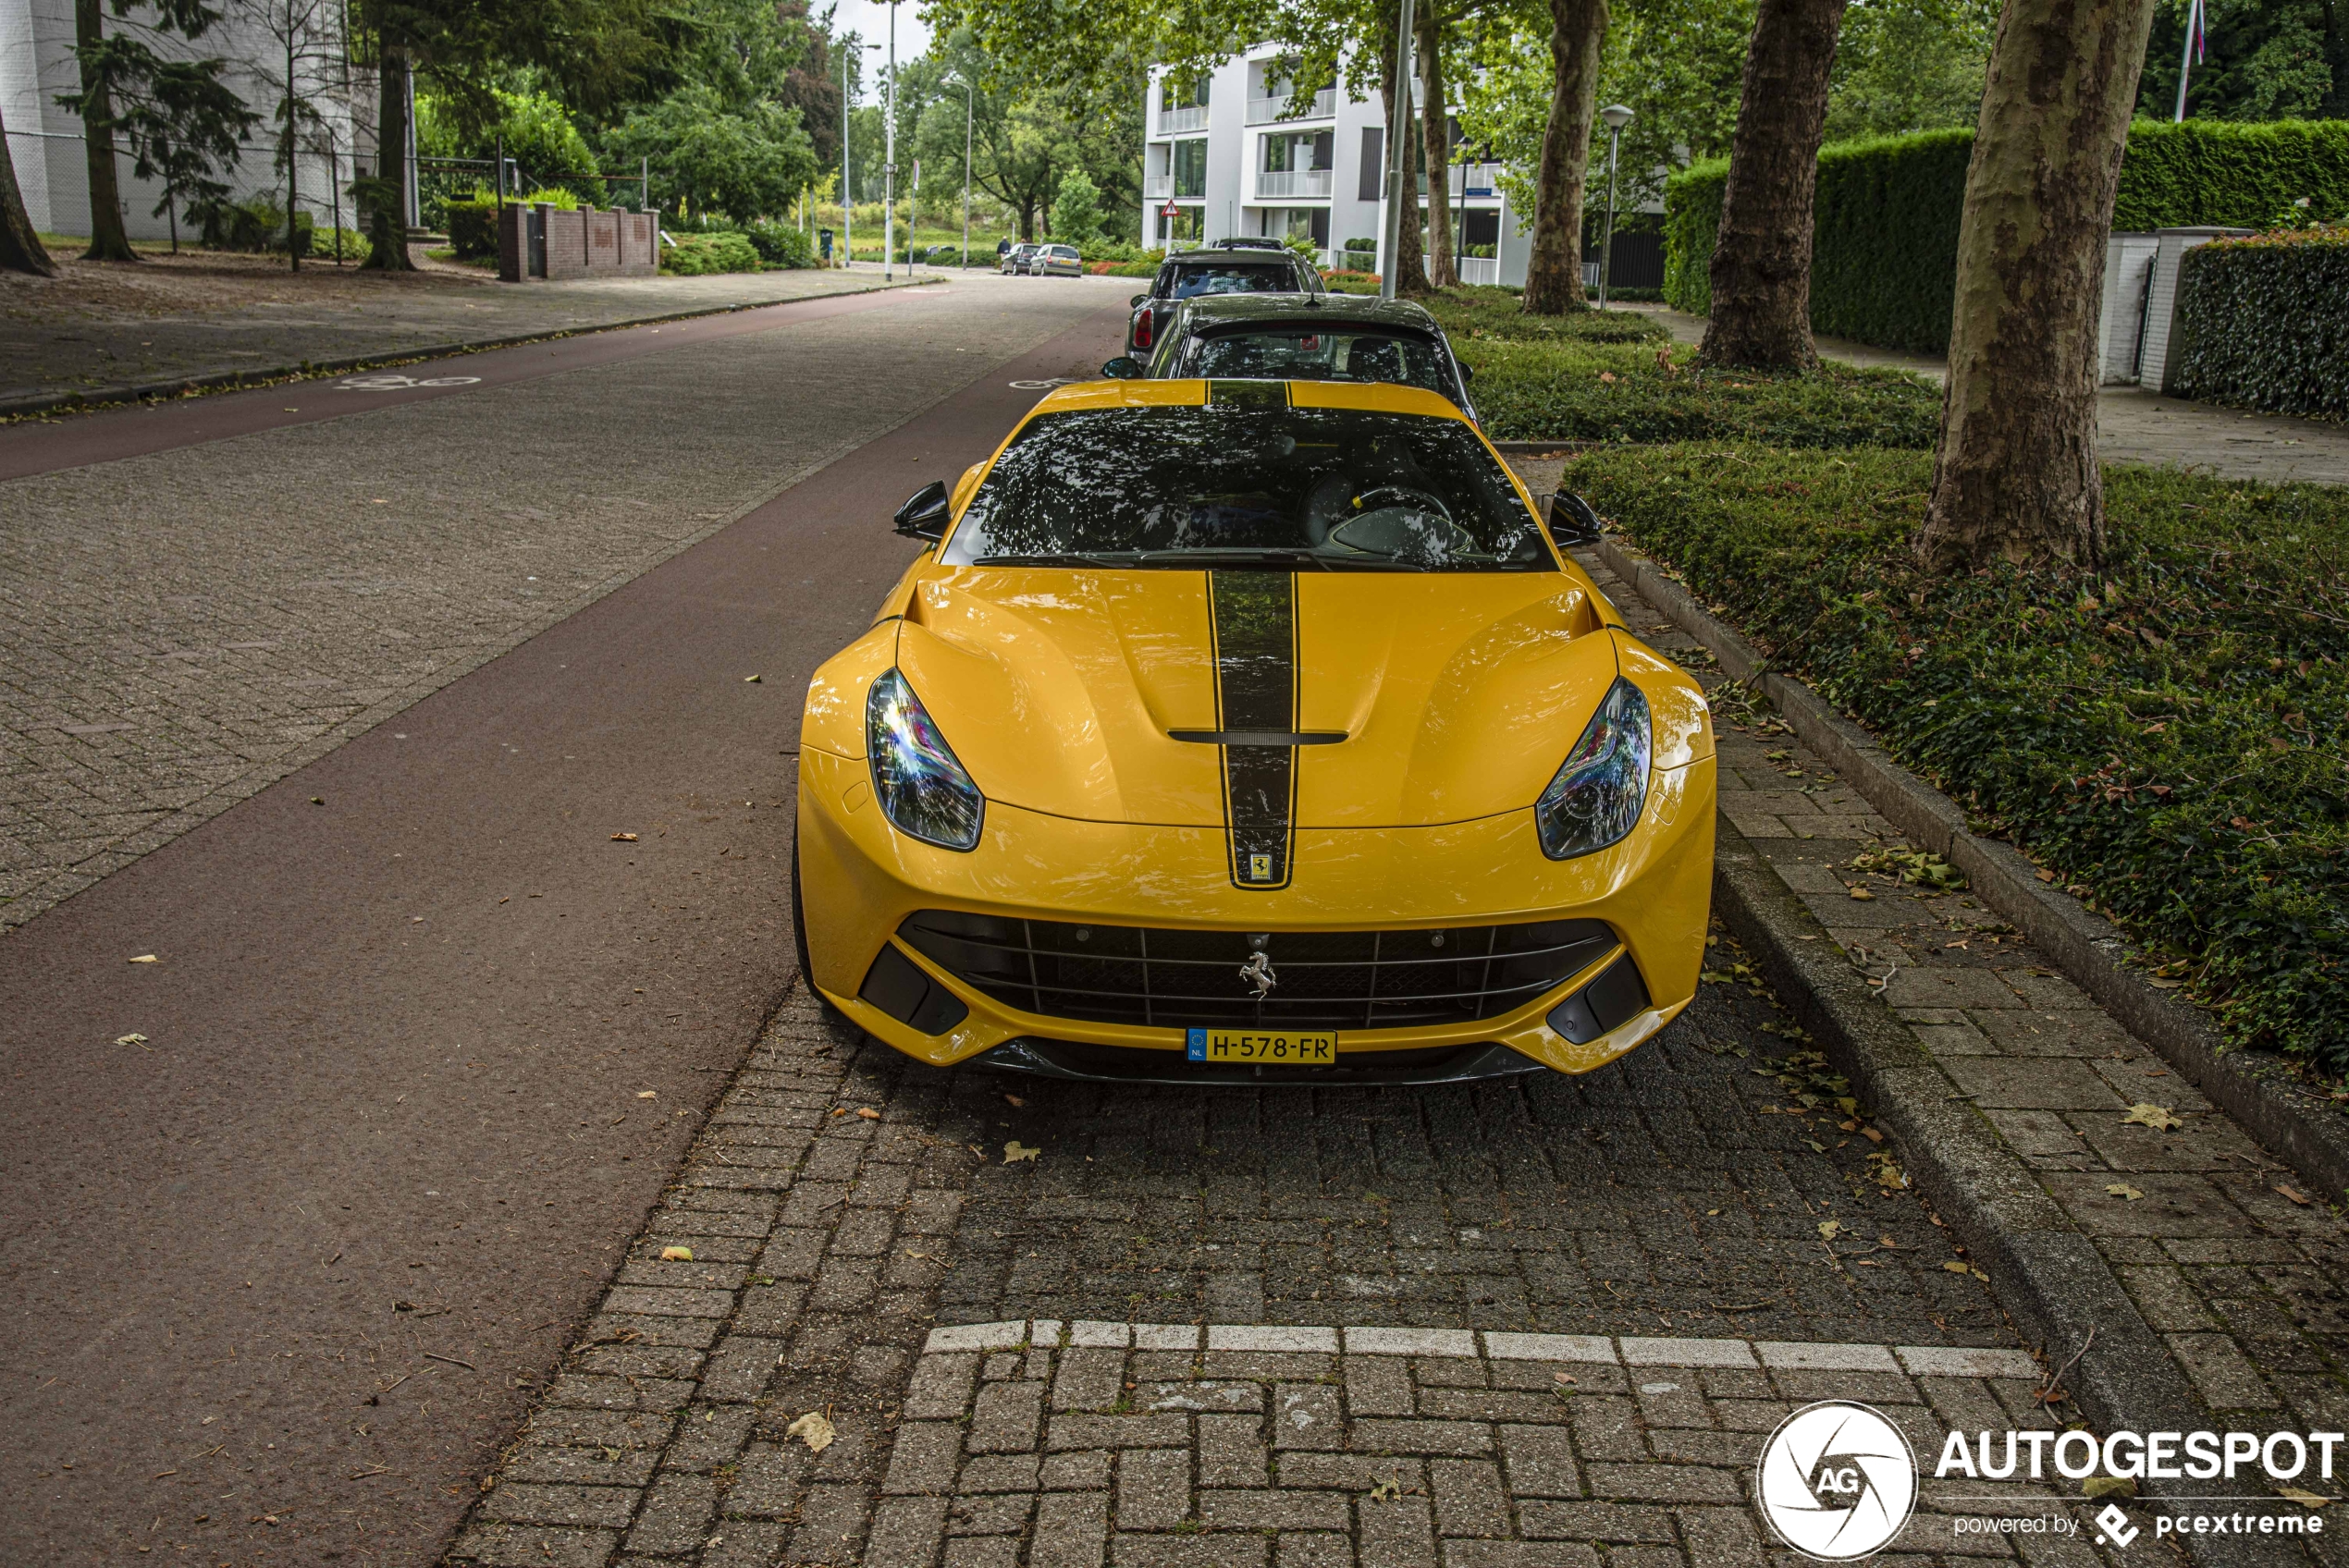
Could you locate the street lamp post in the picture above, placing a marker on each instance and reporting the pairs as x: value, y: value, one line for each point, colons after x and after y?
x: 950, y: 80
x: 889, y: 156
x: 1400, y: 183
x: 1617, y: 118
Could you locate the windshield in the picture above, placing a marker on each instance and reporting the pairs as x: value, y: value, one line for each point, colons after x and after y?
x: 1343, y: 353
x: 1249, y: 484
x: 1194, y: 278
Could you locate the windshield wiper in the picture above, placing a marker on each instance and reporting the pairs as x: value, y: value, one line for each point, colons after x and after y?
x: 1107, y: 559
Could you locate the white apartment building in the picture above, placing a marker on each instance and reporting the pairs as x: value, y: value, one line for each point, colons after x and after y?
x: 1219, y: 161
x: 46, y: 143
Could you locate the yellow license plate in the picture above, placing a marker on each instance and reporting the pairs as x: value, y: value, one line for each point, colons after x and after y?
x: 1283, y: 1047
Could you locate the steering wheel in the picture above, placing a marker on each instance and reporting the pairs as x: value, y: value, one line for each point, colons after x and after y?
x: 1385, y: 496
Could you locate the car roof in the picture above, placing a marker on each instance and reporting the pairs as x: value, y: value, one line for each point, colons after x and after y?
x: 1208, y: 311
x: 1382, y: 396
x: 1226, y: 258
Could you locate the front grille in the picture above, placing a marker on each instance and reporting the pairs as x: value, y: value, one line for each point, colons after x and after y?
x: 1326, y: 979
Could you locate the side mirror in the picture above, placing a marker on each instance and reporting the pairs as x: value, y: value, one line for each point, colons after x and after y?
x: 1135, y: 303
x: 1468, y: 373
x: 1126, y: 368
x: 925, y: 516
x: 1571, y: 521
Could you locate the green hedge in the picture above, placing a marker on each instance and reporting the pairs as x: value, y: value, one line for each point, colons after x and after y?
x: 1884, y: 264
x: 473, y: 228
x: 694, y: 254
x: 2264, y: 323
x: 2165, y: 735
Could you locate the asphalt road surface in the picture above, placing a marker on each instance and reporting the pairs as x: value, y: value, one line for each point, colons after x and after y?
x: 423, y: 1039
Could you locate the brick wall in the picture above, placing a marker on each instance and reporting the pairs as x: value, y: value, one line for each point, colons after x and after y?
x: 581, y: 243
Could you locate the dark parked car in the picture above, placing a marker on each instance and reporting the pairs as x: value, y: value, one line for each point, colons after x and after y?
x: 1224, y: 267
x: 1317, y: 338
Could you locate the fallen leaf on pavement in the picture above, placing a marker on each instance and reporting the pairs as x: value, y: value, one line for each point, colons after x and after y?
x: 2046, y: 876
x: 1016, y: 1151
x: 812, y: 1430
x: 1871, y: 1134
x: 146, y: 958
x: 2295, y: 1195
x: 2108, y: 1486
x: 648, y: 1094
x: 130, y: 1040
x: 676, y: 1255
x: 1562, y: 1376
x: 1386, y: 1491
x: 1014, y: 1100
x: 868, y: 1114
x: 2157, y: 1117
x: 1862, y: 894
x: 623, y: 837
x: 751, y: 679
x: 1955, y: 1268
x: 1830, y: 1228
x: 2123, y: 1190
x: 2305, y: 1500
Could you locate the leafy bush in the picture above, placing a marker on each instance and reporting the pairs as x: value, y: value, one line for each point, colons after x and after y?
x: 473, y: 228
x: 1351, y: 282
x: 779, y: 244
x: 354, y: 244
x: 1076, y: 209
x: 1133, y: 269
x: 696, y: 254
x: 2264, y: 323
x: 1884, y: 260
x: 257, y: 223
x: 2166, y: 734
x: 1606, y: 392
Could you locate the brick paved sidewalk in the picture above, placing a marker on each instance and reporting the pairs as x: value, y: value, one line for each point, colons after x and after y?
x: 2241, y: 1271
x: 255, y: 324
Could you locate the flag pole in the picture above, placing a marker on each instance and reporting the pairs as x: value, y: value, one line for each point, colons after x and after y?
x: 2185, y: 57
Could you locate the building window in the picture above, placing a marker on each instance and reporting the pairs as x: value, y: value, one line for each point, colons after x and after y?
x: 1309, y: 150
x: 1174, y: 93
x: 1372, y: 183
x: 1190, y: 167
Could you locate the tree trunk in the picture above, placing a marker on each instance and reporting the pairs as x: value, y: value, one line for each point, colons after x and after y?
x: 107, y: 241
x: 1554, y: 273
x: 1762, y: 257
x: 388, y: 211
x: 1435, y: 140
x: 21, y: 247
x: 2015, y: 477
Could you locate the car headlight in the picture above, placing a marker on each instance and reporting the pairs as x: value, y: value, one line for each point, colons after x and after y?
x: 922, y: 787
x: 1597, y: 795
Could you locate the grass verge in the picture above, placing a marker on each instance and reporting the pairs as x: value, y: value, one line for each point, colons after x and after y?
x: 2165, y: 736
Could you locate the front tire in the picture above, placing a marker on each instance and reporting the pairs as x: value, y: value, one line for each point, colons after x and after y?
x: 799, y: 938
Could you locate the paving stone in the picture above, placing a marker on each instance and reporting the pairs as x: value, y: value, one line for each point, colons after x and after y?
x: 1006, y: 1416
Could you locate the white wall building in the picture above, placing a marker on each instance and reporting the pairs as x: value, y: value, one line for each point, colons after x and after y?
x: 45, y: 141
x: 1227, y: 164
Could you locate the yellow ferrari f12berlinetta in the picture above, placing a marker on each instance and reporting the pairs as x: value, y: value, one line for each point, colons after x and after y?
x: 1236, y: 731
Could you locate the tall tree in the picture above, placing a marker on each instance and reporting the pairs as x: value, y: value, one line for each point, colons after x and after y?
x: 119, y: 74
x: 1554, y: 272
x: 1761, y: 269
x: 1427, y: 21
x: 21, y: 247
x: 2015, y: 476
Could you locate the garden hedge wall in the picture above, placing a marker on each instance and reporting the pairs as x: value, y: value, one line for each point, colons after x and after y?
x: 2264, y: 323
x: 1884, y: 266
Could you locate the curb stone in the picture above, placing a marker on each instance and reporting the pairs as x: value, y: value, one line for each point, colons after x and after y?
x: 246, y: 377
x: 2254, y: 1087
x: 2042, y: 1269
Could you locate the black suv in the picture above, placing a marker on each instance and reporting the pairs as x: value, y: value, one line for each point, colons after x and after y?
x: 1229, y: 266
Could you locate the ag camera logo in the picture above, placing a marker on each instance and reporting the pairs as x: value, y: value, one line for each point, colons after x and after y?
x: 1837, y: 1481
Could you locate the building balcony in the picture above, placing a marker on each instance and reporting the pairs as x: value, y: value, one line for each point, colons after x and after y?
x: 1157, y: 187
x: 1478, y: 269
x: 1476, y: 179
x: 1266, y: 108
x: 1272, y: 185
x: 1174, y: 121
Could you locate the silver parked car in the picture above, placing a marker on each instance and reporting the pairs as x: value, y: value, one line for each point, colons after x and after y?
x: 1057, y: 260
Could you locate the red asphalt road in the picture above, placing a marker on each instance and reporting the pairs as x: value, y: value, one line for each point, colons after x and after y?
x: 31, y: 446
x: 389, y: 1107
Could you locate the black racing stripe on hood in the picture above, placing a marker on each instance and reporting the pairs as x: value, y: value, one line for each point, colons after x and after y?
x: 1253, y: 621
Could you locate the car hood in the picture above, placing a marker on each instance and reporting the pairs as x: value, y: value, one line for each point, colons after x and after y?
x: 1429, y: 698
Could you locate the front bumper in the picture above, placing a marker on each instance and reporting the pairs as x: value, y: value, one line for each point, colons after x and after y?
x: 861, y: 878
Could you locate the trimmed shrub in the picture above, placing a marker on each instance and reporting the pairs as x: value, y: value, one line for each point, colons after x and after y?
x: 779, y: 244
x: 1884, y: 260
x: 1483, y: 311
x: 473, y: 228
x: 1610, y: 392
x: 2165, y: 735
x: 695, y: 255
x: 2264, y: 323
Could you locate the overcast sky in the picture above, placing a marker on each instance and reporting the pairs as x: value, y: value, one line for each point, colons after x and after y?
x: 871, y: 19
